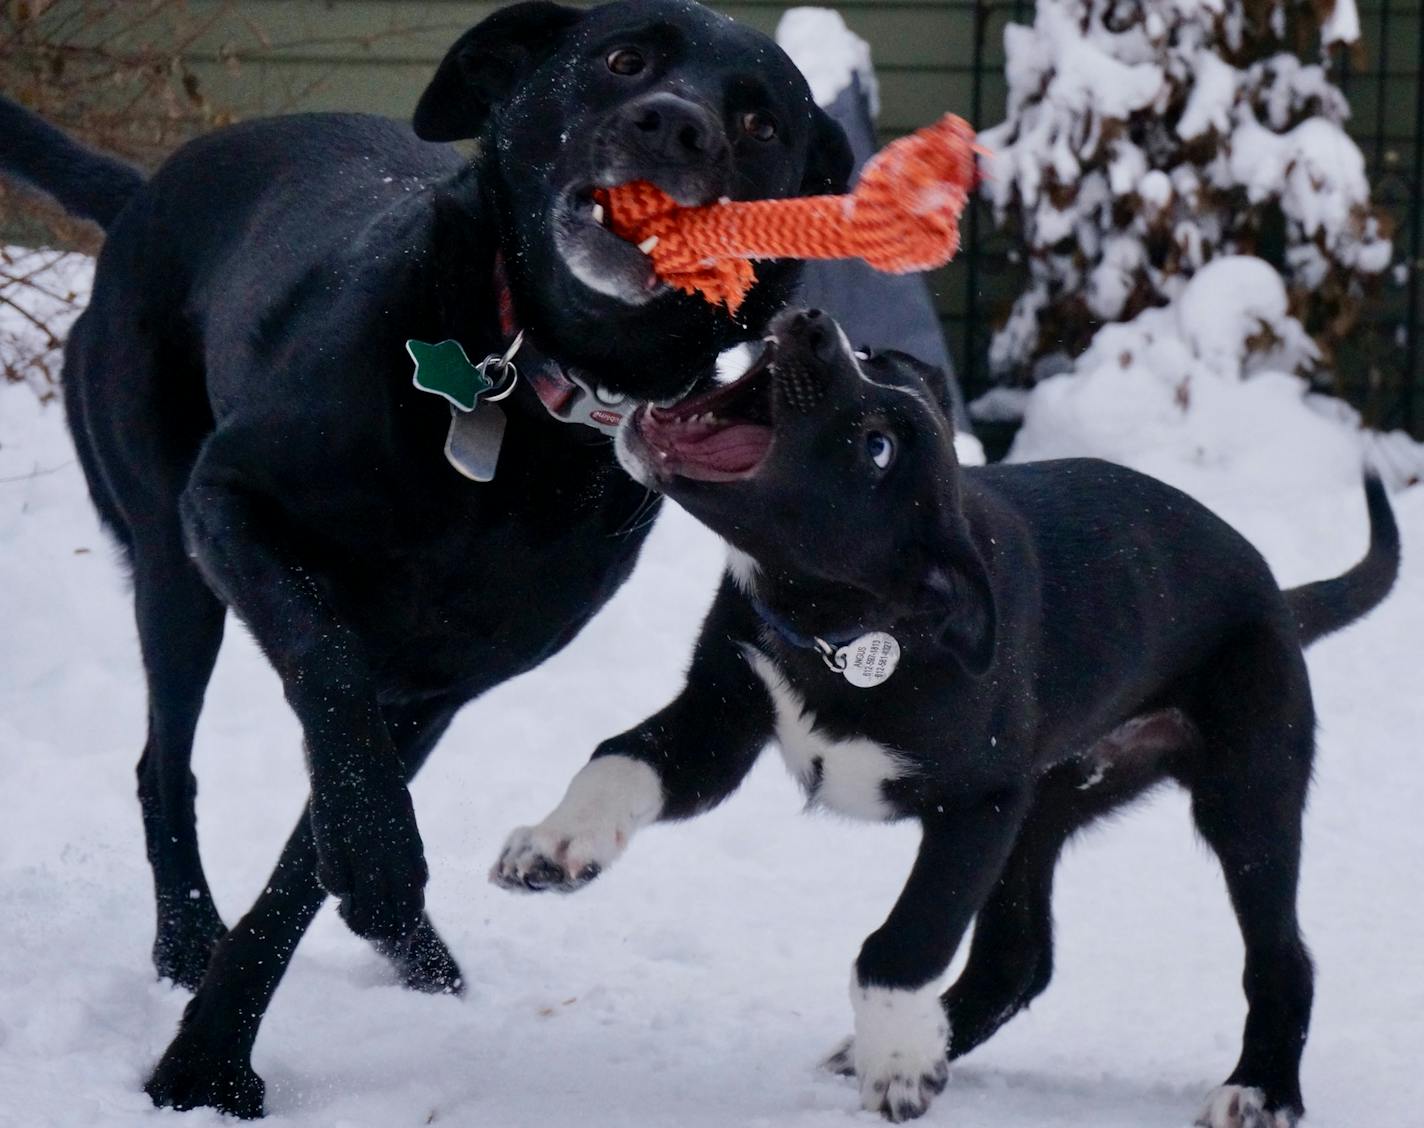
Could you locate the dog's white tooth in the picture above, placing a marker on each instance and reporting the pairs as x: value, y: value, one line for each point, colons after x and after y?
x: 724, y: 199
x: 647, y: 245
x: 598, y: 213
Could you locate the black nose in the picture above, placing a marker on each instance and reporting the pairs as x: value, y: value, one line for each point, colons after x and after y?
x: 812, y: 329
x: 672, y: 130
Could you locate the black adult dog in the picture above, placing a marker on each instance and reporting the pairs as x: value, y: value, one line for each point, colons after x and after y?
x: 242, y: 403
x: 1004, y: 654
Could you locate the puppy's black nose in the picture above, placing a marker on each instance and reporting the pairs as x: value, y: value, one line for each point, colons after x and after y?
x: 813, y: 329
x: 673, y: 130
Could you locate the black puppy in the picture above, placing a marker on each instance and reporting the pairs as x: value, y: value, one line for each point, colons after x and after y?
x: 1004, y: 654
x: 241, y: 399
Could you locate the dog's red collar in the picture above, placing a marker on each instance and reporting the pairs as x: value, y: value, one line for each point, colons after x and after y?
x: 565, y: 394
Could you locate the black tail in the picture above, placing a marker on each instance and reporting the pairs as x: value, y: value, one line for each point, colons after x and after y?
x: 86, y: 183
x: 1327, y: 605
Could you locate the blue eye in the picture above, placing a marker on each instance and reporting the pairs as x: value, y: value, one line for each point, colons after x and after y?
x: 880, y: 447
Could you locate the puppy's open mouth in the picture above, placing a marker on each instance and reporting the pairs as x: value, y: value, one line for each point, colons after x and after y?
x: 597, y: 257
x: 723, y: 435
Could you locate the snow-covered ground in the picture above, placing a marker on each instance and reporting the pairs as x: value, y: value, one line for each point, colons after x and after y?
x: 699, y: 981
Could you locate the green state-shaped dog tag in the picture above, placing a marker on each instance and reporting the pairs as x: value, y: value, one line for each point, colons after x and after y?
x: 445, y: 370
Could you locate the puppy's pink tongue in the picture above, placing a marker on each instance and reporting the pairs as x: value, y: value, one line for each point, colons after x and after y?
x: 734, y: 449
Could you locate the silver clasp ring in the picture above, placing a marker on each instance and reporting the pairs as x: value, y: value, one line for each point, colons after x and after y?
x: 832, y: 657
x: 505, y: 364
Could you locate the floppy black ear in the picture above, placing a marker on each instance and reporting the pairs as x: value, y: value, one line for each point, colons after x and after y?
x: 828, y: 159
x: 486, y: 64
x: 961, y: 582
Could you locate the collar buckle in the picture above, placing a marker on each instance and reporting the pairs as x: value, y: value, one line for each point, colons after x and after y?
x: 586, y: 405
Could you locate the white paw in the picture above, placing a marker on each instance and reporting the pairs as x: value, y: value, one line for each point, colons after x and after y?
x: 610, y: 799
x: 900, y: 1049
x: 1236, y: 1106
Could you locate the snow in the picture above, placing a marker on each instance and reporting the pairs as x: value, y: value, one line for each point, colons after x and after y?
x: 828, y: 53
x: 1199, y: 389
x: 1342, y: 25
x: 1319, y: 175
x: 1212, y: 96
x: 1233, y: 300
x: 698, y: 981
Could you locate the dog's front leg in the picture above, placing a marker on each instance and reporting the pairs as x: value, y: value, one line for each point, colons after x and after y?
x: 681, y: 761
x: 899, y: 1053
x: 368, y: 847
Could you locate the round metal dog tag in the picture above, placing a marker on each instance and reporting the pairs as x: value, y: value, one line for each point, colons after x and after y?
x: 869, y: 660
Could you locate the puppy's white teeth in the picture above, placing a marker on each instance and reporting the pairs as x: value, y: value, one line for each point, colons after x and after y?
x: 598, y: 214
x: 647, y: 245
x: 724, y: 199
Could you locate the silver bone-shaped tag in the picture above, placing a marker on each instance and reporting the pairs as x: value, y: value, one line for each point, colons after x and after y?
x: 475, y: 437
x: 473, y: 441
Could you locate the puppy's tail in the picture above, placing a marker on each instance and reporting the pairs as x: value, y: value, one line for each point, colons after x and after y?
x: 1326, y: 606
x: 86, y: 183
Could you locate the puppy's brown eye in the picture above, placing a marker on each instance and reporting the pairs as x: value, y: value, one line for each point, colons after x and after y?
x: 625, y: 61
x: 760, y: 125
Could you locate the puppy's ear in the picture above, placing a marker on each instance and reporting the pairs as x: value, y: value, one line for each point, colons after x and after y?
x: 961, y: 584
x: 828, y: 159
x: 486, y: 64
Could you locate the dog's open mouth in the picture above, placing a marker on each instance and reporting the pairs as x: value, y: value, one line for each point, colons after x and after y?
x: 598, y: 258
x: 723, y: 435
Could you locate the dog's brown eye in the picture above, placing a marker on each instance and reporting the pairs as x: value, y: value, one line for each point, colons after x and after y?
x: 625, y: 61
x: 759, y: 125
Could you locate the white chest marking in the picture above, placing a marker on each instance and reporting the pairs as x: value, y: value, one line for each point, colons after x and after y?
x: 844, y: 775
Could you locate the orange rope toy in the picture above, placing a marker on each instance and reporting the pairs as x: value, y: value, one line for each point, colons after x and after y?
x: 903, y: 216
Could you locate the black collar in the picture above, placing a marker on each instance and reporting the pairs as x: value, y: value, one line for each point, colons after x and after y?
x: 801, y: 641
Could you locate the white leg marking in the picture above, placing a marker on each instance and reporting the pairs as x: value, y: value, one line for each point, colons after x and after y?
x: 610, y: 799
x: 901, y: 1048
x: 845, y: 775
x: 1238, y: 1106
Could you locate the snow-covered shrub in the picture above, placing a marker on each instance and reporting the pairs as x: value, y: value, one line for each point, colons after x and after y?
x: 1188, y: 392
x: 1145, y: 138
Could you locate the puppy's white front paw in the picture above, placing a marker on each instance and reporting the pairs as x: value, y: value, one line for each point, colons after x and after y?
x: 900, y: 1051
x: 610, y: 799
x: 536, y: 859
x: 1239, y: 1106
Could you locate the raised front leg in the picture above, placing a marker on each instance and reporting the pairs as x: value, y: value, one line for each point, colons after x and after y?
x: 901, y: 1027
x: 368, y: 848
x: 681, y: 761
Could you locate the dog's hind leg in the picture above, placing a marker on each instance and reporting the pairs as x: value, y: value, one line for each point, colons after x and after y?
x: 138, y: 414
x: 1011, y: 956
x: 1248, y: 796
x: 180, y: 628
x: 209, y: 1062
